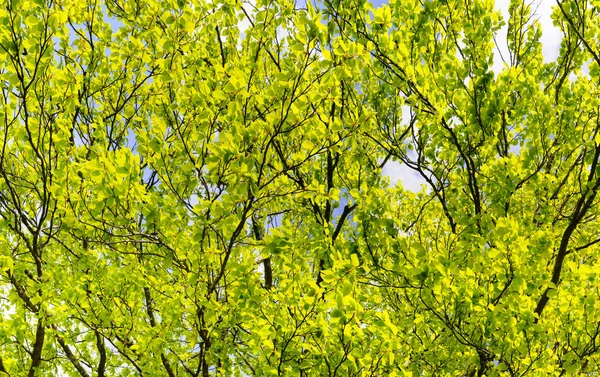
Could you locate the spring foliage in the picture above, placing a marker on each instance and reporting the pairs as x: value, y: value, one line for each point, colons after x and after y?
x: 195, y: 188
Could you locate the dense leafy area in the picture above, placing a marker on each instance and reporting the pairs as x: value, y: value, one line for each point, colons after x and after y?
x: 180, y: 195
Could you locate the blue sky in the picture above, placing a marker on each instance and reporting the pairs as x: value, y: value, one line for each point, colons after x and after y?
x: 378, y: 2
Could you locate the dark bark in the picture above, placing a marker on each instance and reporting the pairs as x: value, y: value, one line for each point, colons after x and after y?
x: 38, y: 345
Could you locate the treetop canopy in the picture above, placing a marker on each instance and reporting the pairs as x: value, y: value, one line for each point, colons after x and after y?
x: 195, y: 188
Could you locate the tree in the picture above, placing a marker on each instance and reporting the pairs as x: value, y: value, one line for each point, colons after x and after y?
x: 195, y: 188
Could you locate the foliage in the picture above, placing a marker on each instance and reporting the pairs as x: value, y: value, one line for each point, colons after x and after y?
x: 182, y: 196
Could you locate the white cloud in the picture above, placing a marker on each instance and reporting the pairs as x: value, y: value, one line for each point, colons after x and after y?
x: 399, y: 172
x: 249, y: 11
x: 249, y: 7
x: 501, y: 54
x: 410, y: 179
x: 551, y: 39
x: 551, y: 35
